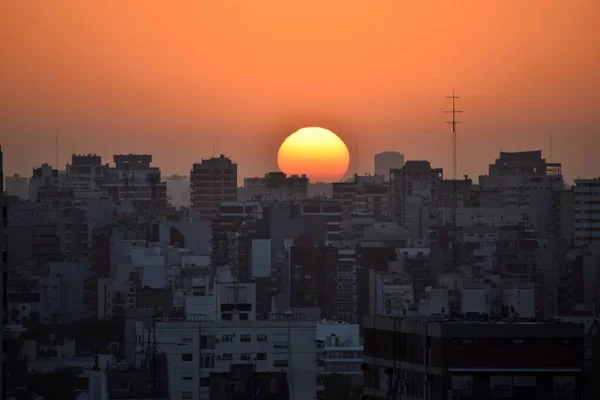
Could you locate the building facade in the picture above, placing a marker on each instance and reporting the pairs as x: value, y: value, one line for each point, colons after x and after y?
x: 212, y: 181
x: 459, y: 359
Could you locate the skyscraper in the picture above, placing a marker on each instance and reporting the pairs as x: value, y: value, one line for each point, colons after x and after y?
x: 386, y: 161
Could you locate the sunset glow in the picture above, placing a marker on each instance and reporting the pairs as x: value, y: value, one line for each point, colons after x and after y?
x: 316, y: 152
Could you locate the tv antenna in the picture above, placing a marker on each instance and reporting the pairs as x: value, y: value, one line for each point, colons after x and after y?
x: 454, y: 122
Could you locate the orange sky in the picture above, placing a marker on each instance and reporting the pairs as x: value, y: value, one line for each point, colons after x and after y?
x: 167, y: 78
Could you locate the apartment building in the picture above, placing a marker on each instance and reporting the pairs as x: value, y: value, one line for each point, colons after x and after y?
x: 429, y: 358
x: 212, y: 181
x: 275, y: 186
x: 133, y: 178
x: 202, y: 354
x: 517, y: 175
x: 586, y: 211
x: 364, y: 195
x: 415, y: 195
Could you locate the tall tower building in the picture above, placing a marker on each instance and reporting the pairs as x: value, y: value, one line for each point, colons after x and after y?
x: 212, y: 181
x: 386, y: 161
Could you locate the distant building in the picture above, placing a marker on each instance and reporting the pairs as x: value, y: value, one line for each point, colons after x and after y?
x: 386, y: 161
x: 44, y: 180
x: 133, y: 178
x: 178, y: 190
x: 365, y: 195
x: 212, y: 181
x: 274, y: 186
x: 586, y: 211
x: 85, y: 172
x: 415, y: 195
x: 462, y: 359
x: 17, y: 185
x: 517, y: 175
x: 319, y: 189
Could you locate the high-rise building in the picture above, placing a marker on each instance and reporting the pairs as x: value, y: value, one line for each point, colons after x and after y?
x: 415, y: 195
x: 275, y: 186
x: 133, y: 178
x: 212, y: 181
x: 17, y: 185
x: 586, y: 211
x: 85, y: 172
x: 517, y: 175
x: 386, y: 161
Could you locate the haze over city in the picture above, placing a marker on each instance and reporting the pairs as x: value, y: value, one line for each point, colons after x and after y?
x: 168, y: 80
x: 300, y: 200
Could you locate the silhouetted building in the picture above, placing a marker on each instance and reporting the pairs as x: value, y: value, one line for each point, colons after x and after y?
x: 517, y: 175
x: 275, y: 186
x: 212, y: 181
x: 17, y: 185
x: 478, y: 359
x: 386, y: 161
x: 586, y: 213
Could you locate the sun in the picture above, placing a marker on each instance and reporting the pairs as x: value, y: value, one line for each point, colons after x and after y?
x: 316, y: 152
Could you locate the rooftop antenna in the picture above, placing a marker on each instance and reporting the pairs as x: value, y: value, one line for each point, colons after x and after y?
x: 454, y: 122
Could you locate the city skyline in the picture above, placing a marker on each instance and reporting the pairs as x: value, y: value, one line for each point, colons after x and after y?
x: 120, y: 79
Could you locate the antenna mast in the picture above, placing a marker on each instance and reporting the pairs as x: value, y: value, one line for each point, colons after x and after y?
x: 454, y: 122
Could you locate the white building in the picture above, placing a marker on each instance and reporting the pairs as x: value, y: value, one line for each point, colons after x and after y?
x: 195, y: 349
x: 343, y: 353
x: 586, y: 211
x: 178, y: 190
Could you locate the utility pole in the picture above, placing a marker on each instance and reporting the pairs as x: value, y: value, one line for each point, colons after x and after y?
x: 454, y: 122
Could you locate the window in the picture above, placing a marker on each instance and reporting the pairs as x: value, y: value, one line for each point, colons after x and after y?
x: 243, y: 316
x: 186, y: 396
x: 261, y: 337
x: 280, y: 363
x: 186, y: 357
x: 187, y: 340
x: 261, y: 356
x: 246, y: 356
x: 226, y: 316
x: 208, y: 361
x: 245, y: 338
x: 280, y: 341
x: 204, y: 382
x: 207, y: 341
x: 227, y: 356
x: 186, y: 378
x: 227, y: 338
